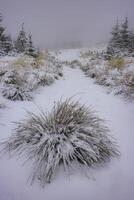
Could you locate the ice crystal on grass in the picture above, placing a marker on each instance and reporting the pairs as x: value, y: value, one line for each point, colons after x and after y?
x: 70, y: 133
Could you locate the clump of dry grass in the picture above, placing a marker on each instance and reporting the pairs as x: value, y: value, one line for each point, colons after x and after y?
x: 16, y: 87
x: 75, y: 63
x: 70, y: 133
x: 39, y: 60
x: 21, y: 62
x: 45, y: 79
x: 116, y: 62
x: 16, y: 93
x: 128, y: 85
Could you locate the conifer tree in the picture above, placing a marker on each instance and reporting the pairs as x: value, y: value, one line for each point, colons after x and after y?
x: 5, y: 40
x: 2, y: 35
x: 7, y: 44
x: 21, y: 42
x: 124, y: 35
x: 31, y: 50
x: 122, y: 40
x: 115, y: 41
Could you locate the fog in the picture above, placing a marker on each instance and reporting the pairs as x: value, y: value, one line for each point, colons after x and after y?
x: 65, y: 23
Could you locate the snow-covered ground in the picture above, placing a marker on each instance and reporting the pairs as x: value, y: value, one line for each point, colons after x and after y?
x: 115, y: 181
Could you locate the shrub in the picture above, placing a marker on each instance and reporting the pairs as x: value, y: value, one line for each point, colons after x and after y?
x: 69, y: 133
x: 45, y: 80
x: 128, y: 79
x: 128, y: 85
x: 16, y: 86
x: 39, y: 60
x: 75, y: 63
x: 12, y: 77
x: 2, y: 73
x: 14, y: 92
x: 60, y: 74
x: 86, y: 54
x: 117, y: 62
x: 23, y: 61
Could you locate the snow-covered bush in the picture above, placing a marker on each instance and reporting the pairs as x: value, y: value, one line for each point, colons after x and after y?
x: 39, y: 60
x: 116, y: 74
x: 14, y: 93
x: 15, y: 86
x: 86, y: 54
x: 93, y: 69
x: 23, y: 61
x: 2, y: 73
x: 128, y: 78
x: 45, y: 79
x: 70, y: 133
x: 75, y: 63
x: 12, y: 77
x: 128, y: 85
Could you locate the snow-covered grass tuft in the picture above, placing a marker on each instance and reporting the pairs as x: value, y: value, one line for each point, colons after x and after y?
x: 15, y: 86
x: 14, y: 93
x: 39, y: 60
x: 117, y: 62
x: 45, y: 79
x: 70, y: 133
x: 21, y: 62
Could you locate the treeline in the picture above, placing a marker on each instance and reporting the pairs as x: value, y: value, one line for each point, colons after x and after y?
x: 122, y: 40
x: 22, y: 44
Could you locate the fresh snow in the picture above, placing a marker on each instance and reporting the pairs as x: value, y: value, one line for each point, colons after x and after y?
x: 114, y: 181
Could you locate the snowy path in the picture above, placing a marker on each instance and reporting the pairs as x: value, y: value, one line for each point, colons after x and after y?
x: 112, y: 182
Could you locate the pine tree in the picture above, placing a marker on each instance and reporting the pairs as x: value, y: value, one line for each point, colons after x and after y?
x: 21, y: 42
x: 2, y: 36
x: 122, y: 40
x: 31, y: 50
x: 115, y: 41
x: 7, y: 44
x: 124, y: 35
x: 5, y: 40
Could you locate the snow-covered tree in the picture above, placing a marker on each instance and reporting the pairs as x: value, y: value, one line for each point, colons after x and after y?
x: 7, y: 44
x: 122, y: 40
x: 5, y: 40
x: 115, y: 41
x: 2, y: 36
x: 31, y: 50
x: 124, y: 35
x: 116, y: 37
x: 21, y: 42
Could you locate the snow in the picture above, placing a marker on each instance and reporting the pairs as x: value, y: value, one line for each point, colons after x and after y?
x: 114, y: 181
x: 68, y: 54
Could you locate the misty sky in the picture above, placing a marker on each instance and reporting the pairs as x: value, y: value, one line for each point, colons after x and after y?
x: 61, y: 23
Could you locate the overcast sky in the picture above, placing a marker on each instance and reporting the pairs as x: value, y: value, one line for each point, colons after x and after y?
x: 60, y: 23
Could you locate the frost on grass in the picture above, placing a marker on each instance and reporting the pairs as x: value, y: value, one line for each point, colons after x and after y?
x: 43, y: 78
x: 22, y: 76
x: 15, y: 87
x: 15, y: 93
x: 115, y: 74
x: 70, y: 133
